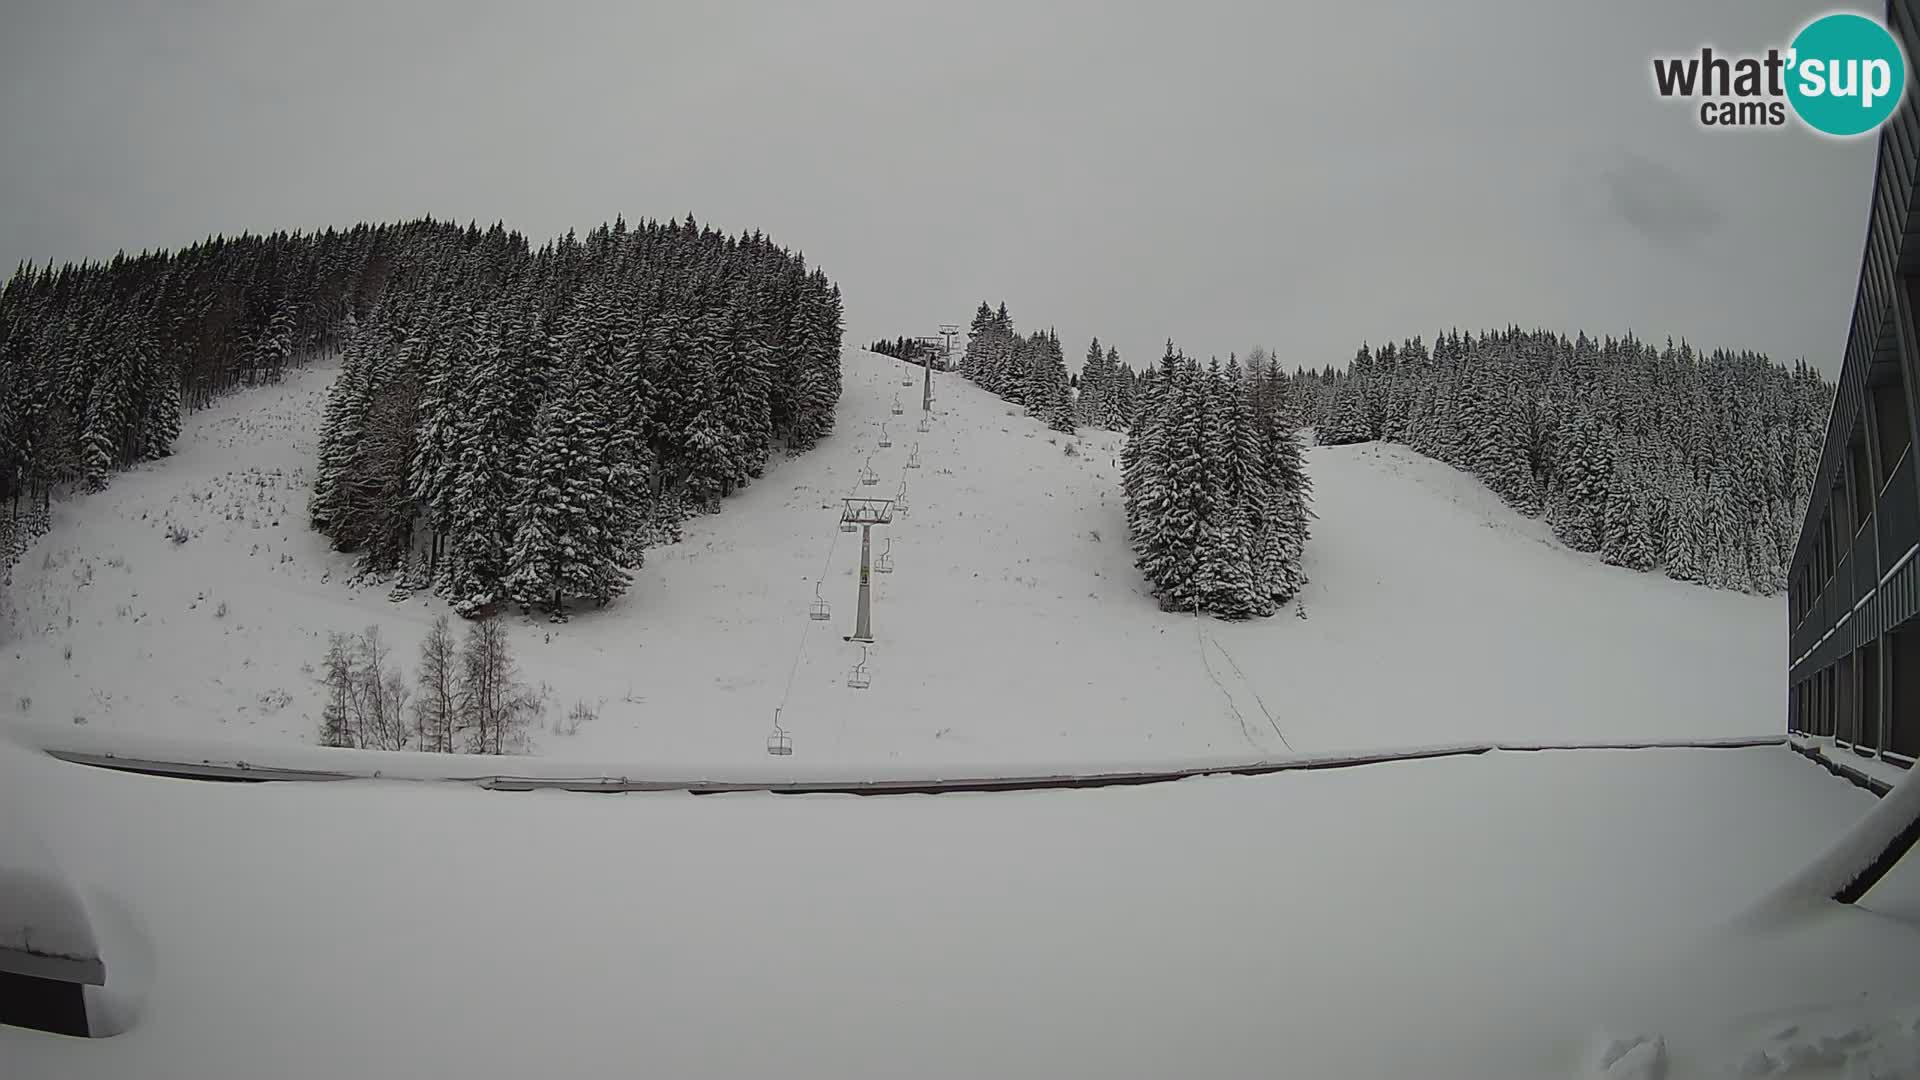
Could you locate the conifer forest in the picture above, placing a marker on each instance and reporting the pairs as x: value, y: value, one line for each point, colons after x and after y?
x: 1696, y: 465
x: 508, y: 424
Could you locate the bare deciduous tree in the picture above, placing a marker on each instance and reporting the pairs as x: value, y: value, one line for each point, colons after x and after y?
x: 336, y: 718
x: 382, y: 695
x: 497, y: 709
x: 436, y: 710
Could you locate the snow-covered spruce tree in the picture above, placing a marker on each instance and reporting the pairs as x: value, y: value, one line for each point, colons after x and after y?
x: 484, y: 465
x: 1090, y: 404
x: 445, y: 362
x: 1215, y: 493
x: 1283, y: 539
x: 818, y: 362
x: 565, y: 545
x: 1230, y: 571
x: 1175, y: 573
x: 1348, y: 419
x: 109, y: 413
x: 1407, y: 376
x: 1048, y: 393
x: 1684, y: 553
x: 1003, y: 359
x: 743, y: 390
x: 273, y: 347
x: 973, y: 358
x: 1118, y: 403
x: 1375, y: 387
x: 1145, y: 461
x: 160, y: 409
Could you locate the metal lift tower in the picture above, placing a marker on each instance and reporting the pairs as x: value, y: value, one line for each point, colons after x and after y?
x: 866, y: 513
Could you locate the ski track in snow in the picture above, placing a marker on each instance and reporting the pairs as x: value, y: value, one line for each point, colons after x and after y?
x: 1008, y: 633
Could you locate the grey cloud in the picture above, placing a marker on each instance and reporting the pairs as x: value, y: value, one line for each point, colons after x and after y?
x: 1659, y: 203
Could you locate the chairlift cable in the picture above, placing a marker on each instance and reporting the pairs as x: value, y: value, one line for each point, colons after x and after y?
x: 800, y: 652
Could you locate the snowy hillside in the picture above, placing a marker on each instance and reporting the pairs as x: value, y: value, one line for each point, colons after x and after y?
x: 1013, y: 630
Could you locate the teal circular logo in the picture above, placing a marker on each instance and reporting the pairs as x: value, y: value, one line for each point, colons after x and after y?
x: 1845, y: 74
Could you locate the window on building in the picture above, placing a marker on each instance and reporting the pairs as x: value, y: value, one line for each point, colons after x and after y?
x: 1845, y: 717
x: 1861, y: 480
x: 1825, y: 549
x: 1868, y: 664
x: 1826, y: 703
x: 1890, y: 417
x: 1903, y: 695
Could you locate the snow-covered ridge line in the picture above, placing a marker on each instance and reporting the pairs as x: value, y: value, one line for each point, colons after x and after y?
x: 210, y: 760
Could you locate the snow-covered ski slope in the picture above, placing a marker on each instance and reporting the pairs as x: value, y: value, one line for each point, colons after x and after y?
x: 1492, y: 918
x: 1013, y: 632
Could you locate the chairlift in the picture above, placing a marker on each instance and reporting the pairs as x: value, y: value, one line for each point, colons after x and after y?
x: 867, y: 476
x: 925, y: 424
x: 886, y: 440
x: 900, y: 500
x: 884, y: 564
x: 848, y: 526
x: 913, y: 459
x: 820, y: 610
x: 897, y: 407
x: 858, y: 678
x: 779, y: 743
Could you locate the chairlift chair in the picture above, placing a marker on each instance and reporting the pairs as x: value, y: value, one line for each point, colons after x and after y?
x: 900, y: 500
x: 820, y: 610
x: 858, y: 678
x: 886, y: 440
x: 924, y: 425
x: 848, y: 526
x: 913, y: 459
x: 897, y: 407
x: 884, y: 564
x: 867, y: 476
x: 779, y: 743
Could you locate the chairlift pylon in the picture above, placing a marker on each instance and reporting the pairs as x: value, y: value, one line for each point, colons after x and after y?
x: 858, y: 678
x: 779, y: 743
x: 867, y: 476
x: 884, y: 564
x: 819, y: 610
x: 886, y: 440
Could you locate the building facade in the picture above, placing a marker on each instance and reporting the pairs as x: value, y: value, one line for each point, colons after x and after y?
x: 1854, y: 583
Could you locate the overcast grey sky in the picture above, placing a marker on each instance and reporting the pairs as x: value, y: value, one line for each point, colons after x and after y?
x: 1225, y: 174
